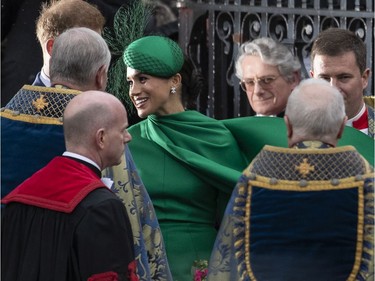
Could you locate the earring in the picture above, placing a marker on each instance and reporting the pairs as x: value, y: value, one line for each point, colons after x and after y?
x: 173, y: 90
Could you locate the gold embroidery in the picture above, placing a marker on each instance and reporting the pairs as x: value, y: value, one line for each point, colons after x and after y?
x: 241, y: 190
x: 304, y: 168
x: 40, y: 103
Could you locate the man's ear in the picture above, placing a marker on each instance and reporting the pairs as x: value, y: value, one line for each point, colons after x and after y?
x: 342, y: 127
x: 311, y: 73
x: 100, y: 138
x: 296, y: 79
x: 289, y: 129
x: 365, y: 76
x: 101, y: 78
x: 49, y: 45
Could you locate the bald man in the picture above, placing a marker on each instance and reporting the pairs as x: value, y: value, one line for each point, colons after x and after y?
x: 63, y: 223
x: 311, y: 205
x: 80, y: 62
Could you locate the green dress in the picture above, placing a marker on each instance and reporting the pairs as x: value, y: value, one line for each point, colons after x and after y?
x: 189, y: 164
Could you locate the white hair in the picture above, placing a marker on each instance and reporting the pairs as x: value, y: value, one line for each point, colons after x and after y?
x: 271, y: 52
x: 77, y: 55
x: 315, y: 109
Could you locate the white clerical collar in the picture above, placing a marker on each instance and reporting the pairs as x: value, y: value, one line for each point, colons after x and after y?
x: 45, y: 79
x: 83, y: 158
x: 106, y: 181
x: 350, y: 121
x: 355, y: 118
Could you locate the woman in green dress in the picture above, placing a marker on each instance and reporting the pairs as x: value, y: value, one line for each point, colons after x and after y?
x: 188, y: 162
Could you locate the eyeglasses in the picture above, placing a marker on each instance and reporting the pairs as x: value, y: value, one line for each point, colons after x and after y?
x: 265, y: 82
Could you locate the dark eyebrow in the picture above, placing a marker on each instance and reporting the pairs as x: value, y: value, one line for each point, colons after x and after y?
x: 345, y: 74
x: 135, y: 75
x: 338, y: 75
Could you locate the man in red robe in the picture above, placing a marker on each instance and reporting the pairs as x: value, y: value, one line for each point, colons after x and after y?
x: 63, y: 223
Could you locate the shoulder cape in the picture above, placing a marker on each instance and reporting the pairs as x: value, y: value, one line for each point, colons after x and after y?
x: 60, y: 186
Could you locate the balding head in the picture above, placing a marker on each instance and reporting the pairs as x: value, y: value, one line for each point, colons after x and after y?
x: 95, y: 126
x: 315, y: 111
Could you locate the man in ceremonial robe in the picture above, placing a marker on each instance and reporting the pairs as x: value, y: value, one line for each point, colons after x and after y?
x: 305, y: 211
x: 63, y: 222
x: 31, y: 123
x: 31, y: 129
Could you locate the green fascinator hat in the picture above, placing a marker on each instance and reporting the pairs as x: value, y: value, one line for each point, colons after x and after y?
x: 154, y: 55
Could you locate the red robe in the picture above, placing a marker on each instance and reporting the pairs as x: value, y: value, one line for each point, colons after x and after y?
x: 64, y: 224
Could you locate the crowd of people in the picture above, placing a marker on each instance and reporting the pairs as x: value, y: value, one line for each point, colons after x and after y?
x: 79, y: 61
x: 294, y: 211
x: 179, y: 195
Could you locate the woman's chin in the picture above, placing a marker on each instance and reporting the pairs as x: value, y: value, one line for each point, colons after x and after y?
x: 142, y: 113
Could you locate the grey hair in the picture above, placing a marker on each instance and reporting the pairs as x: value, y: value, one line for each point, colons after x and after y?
x: 316, y: 109
x: 271, y: 52
x: 77, y: 55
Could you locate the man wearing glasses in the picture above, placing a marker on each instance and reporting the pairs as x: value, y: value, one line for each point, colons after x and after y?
x: 268, y: 73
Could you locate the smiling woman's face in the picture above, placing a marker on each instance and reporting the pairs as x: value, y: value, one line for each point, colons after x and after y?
x: 149, y: 94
